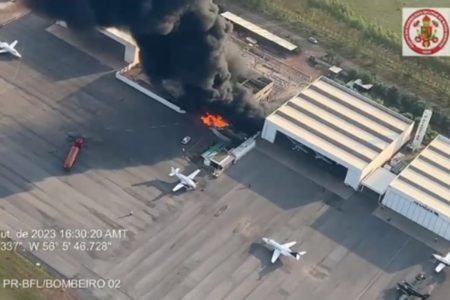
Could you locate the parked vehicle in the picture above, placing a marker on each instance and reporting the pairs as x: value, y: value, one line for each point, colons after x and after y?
x: 313, y: 40
x: 186, y: 140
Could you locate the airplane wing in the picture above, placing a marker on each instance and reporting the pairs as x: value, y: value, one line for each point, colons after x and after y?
x: 275, y: 255
x: 290, y: 244
x: 3, y: 51
x: 447, y: 256
x: 177, y: 187
x: 193, y: 174
x: 439, y: 267
x: 13, y: 44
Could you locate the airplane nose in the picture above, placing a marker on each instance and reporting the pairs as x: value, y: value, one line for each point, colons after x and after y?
x: 265, y: 240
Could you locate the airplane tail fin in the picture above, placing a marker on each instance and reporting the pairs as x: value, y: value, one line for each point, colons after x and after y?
x: 173, y: 171
x: 298, y: 255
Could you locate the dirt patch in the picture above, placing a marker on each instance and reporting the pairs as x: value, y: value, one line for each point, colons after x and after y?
x: 11, y: 10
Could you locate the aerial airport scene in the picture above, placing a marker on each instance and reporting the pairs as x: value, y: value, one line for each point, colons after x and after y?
x: 224, y: 149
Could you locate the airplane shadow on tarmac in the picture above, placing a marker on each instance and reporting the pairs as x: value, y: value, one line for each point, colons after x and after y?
x: 264, y: 255
x: 162, y: 186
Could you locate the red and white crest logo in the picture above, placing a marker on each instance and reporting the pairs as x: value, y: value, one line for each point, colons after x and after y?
x: 426, y: 32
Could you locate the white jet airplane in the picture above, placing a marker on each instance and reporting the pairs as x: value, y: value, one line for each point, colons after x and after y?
x: 443, y: 262
x: 9, y: 48
x: 284, y: 249
x: 187, y: 182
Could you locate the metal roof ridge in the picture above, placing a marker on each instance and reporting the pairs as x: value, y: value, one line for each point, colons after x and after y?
x: 365, y: 99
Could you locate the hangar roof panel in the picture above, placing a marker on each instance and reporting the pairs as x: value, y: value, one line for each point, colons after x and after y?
x: 337, y: 136
x: 303, y: 133
x: 343, y: 121
x: 345, y: 126
x: 365, y: 108
x: 259, y: 31
x: 348, y: 115
x: 427, y: 178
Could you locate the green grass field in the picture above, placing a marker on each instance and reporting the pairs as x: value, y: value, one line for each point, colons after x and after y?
x: 13, y: 266
x: 387, y: 13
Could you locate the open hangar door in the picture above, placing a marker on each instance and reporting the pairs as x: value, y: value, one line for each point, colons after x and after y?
x: 305, y: 153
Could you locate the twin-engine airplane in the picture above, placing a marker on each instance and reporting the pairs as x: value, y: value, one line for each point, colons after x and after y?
x: 187, y: 182
x: 283, y: 249
x: 9, y: 48
x: 443, y: 262
x: 408, y: 289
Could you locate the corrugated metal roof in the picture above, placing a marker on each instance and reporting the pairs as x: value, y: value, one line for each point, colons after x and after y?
x: 349, y: 126
x: 259, y: 31
x: 427, y: 178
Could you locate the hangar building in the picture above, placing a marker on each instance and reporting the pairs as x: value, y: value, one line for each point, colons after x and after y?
x: 341, y: 125
x: 421, y: 192
x: 259, y: 32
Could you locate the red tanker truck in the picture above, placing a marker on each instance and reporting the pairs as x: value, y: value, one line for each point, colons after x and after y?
x: 73, y: 153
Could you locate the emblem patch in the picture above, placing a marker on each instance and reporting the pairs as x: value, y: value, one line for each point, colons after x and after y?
x: 426, y: 32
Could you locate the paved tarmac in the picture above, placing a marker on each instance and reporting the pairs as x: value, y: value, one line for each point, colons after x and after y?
x: 202, y: 244
x: 11, y: 10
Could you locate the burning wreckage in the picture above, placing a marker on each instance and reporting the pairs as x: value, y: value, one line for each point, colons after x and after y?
x: 219, y: 156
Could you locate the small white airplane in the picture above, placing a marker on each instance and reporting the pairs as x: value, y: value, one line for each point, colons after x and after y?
x: 9, y: 48
x: 283, y: 249
x: 443, y: 262
x: 187, y: 182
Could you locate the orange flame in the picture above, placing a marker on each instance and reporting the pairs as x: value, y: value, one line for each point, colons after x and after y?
x: 211, y: 120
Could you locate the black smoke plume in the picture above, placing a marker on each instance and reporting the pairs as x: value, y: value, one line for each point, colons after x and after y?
x: 183, y: 41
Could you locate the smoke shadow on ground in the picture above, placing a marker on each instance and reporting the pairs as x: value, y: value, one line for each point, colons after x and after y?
x: 264, y: 255
x: 350, y: 223
x: 358, y: 230
x: 274, y: 182
x: 58, y: 60
x: 123, y: 129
